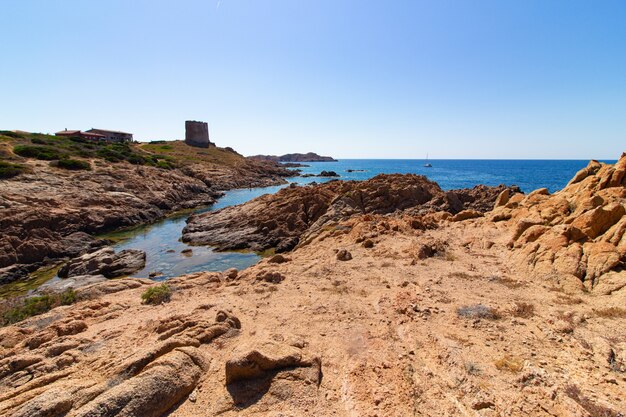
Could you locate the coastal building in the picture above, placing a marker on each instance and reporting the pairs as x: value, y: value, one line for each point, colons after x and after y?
x: 113, y: 135
x: 78, y: 133
x: 197, y: 134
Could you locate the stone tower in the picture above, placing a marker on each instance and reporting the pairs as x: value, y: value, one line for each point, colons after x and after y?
x: 197, y: 134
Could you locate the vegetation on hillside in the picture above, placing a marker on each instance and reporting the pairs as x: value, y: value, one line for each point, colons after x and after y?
x: 157, y: 295
x: 71, y: 152
x: 9, y: 170
x: 184, y: 154
x: 18, y: 309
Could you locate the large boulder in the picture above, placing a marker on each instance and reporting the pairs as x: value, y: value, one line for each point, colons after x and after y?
x: 105, y: 262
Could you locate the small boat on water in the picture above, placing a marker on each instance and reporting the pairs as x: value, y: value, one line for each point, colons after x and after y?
x: 427, y: 164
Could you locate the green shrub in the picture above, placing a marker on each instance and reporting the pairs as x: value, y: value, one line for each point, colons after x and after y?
x: 156, y: 142
x: 8, y: 170
x: 74, y: 164
x: 68, y: 297
x: 78, y: 139
x: 11, y: 134
x: 39, y: 141
x: 22, y: 308
x: 45, y: 153
x: 157, y: 295
x: 136, y: 160
x: 110, y: 155
x: 164, y: 165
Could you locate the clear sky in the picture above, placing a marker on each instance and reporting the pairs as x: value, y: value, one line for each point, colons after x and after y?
x: 351, y: 79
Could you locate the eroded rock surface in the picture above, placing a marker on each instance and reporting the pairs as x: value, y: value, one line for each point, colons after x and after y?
x: 578, y: 231
x: 294, y: 214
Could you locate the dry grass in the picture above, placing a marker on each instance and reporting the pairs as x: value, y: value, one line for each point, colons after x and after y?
x: 472, y: 368
x: 506, y: 281
x: 185, y: 154
x: 449, y: 257
x: 568, y: 300
x: 594, y: 410
x: 338, y: 287
x: 510, y: 363
x: 478, y: 311
x: 611, y: 312
x: 522, y: 310
x: 463, y: 275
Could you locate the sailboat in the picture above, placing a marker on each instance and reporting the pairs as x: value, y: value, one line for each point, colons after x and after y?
x: 427, y: 164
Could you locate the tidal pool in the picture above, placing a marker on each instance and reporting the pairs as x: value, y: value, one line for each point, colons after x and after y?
x: 161, y: 242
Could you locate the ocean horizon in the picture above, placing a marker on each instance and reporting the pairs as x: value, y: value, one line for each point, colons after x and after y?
x: 528, y: 174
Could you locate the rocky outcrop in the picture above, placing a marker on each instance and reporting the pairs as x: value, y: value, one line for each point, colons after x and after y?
x: 433, y: 318
x: 270, y: 357
x: 105, y: 262
x: 578, y: 231
x: 58, y: 370
x: 294, y: 214
x: 294, y: 157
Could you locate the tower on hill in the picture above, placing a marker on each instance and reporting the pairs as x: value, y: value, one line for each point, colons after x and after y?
x: 197, y: 134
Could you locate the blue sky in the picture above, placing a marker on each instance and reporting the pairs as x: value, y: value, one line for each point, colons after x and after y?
x: 352, y: 79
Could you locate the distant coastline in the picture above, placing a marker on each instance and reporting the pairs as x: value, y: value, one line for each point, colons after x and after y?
x: 294, y: 157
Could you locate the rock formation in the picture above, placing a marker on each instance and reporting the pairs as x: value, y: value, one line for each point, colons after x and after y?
x: 105, y: 262
x: 279, y: 221
x: 197, y: 134
x: 577, y: 233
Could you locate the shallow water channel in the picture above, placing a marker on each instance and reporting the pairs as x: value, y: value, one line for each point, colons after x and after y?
x: 163, y: 247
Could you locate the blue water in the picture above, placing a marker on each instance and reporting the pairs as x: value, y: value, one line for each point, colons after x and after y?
x: 161, y: 241
x: 453, y: 173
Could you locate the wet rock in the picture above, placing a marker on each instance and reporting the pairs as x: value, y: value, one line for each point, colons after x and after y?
x: 328, y: 174
x: 105, y: 262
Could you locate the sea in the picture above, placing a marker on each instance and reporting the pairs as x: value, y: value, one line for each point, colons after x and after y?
x: 451, y: 174
x: 163, y: 247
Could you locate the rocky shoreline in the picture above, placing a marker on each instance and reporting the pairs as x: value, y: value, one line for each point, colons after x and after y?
x: 398, y: 299
x: 48, y: 214
x: 280, y: 221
